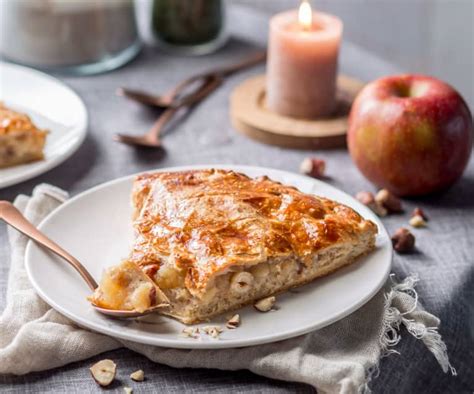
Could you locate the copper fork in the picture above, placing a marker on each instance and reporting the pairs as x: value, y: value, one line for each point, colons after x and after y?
x: 12, y: 216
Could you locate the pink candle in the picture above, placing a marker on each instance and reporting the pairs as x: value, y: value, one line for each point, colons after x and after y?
x: 302, y: 63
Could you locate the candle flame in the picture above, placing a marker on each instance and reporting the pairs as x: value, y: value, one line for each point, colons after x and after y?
x: 305, y: 15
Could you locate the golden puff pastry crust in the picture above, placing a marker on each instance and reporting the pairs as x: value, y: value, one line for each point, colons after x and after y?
x: 206, y: 223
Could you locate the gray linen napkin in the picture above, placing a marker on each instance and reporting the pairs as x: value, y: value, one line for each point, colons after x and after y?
x: 340, y: 358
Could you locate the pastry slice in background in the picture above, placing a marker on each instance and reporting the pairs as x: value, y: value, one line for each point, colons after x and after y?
x: 20, y: 140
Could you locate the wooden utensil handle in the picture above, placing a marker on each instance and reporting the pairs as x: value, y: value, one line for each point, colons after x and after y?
x: 15, y: 218
x: 218, y: 72
x: 184, y: 93
x: 191, y: 100
x: 251, y: 61
x: 208, y: 86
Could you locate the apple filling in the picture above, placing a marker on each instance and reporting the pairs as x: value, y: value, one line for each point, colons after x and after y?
x: 126, y: 287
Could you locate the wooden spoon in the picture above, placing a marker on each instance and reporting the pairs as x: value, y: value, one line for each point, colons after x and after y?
x: 171, y: 99
x: 151, y: 139
x: 175, y: 97
x: 12, y: 216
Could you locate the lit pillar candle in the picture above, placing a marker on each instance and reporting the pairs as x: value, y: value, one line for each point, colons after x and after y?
x: 302, y: 63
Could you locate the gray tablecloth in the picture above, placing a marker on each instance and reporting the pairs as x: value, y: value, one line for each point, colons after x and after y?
x: 444, y: 262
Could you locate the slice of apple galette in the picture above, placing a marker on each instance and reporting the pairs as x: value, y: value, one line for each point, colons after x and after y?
x: 20, y: 140
x: 215, y: 240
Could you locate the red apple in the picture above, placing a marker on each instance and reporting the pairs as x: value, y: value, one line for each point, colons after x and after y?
x: 410, y: 134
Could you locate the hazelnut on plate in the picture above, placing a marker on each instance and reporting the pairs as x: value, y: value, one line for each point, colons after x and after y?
x: 233, y: 322
x: 265, y: 304
x: 190, y: 332
x: 213, y: 331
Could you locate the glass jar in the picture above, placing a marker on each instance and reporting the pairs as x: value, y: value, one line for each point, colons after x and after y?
x: 73, y: 36
x: 193, y: 27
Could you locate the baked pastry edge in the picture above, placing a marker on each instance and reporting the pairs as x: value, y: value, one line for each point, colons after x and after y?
x: 325, y: 262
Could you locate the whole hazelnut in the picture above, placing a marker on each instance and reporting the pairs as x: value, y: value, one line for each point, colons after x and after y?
x: 313, y: 167
x: 388, y: 200
x: 403, y: 240
x: 367, y: 198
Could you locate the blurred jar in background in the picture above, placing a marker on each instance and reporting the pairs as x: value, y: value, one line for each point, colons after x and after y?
x: 189, y: 27
x: 74, y: 36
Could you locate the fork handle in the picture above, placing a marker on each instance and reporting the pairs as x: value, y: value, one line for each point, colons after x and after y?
x: 12, y: 216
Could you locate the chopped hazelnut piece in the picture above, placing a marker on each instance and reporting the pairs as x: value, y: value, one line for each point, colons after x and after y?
x: 417, y: 221
x: 213, y: 331
x: 233, y: 322
x: 389, y: 201
x: 419, y: 212
x: 265, y: 304
x: 313, y: 167
x: 103, y: 372
x: 138, y: 376
x: 368, y: 199
x: 128, y: 390
x: 403, y: 240
x: 190, y: 332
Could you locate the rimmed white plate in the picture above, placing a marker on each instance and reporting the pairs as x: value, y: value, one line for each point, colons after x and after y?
x: 95, y: 227
x: 51, y: 105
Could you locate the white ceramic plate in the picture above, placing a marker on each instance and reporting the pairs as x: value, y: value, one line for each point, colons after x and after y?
x: 51, y: 105
x: 95, y: 227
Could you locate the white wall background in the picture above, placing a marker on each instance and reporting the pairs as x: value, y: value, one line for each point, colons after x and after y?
x: 426, y: 36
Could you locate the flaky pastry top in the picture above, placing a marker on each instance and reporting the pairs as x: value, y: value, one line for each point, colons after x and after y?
x: 207, y: 222
x: 11, y: 121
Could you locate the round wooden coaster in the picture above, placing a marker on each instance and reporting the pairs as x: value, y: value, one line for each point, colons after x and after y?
x: 250, y: 116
